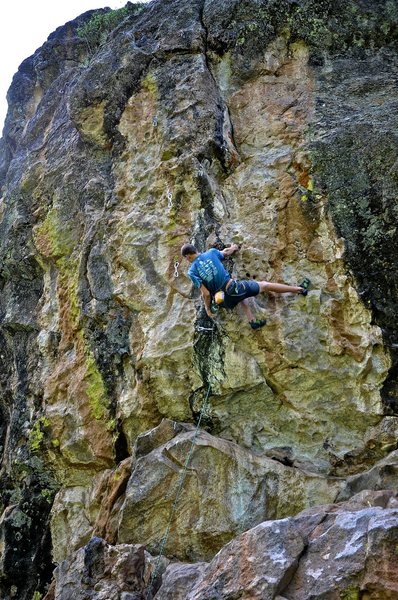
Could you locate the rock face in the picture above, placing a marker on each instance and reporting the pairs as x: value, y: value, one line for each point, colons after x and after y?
x: 273, y: 125
x: 226, y: 489
x: 332, y: 551
x: 112, y: 571
x: 340, y: 551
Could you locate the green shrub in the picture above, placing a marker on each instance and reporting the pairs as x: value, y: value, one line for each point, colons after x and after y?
x: 95, y: 32
x: 37, y: 433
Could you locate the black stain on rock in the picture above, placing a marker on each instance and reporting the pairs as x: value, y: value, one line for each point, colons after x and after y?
x: 357, y: 169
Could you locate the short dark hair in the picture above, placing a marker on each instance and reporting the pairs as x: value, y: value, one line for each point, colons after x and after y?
x: 188, y: 249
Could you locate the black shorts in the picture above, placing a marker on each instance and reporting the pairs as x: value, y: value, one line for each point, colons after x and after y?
x: 238, y: 291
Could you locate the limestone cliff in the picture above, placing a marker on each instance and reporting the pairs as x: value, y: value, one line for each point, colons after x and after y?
x: 270, y: 124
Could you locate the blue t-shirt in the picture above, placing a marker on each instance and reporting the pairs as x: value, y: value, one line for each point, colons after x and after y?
x: 209, y: 270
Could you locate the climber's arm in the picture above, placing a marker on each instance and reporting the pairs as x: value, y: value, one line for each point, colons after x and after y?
x: 206, y: 299
x: 228, y: 251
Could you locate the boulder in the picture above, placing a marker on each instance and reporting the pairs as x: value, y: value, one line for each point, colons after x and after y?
x: 221, y: 491
x: 338, y: 551
x: 102, y: 572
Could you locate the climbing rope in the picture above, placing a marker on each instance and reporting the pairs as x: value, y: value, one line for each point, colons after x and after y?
x: 179, y: 488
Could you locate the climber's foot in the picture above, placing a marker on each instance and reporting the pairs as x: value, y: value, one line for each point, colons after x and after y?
x: 305, y: 284
x: 258, y: 323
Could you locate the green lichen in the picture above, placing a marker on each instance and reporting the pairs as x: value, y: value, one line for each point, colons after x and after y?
x: 111, y: 425
x: 247, y: 31
x: 53, y: 238
x: 48, y: 494
x: 56, y: 244
x: 334, y: 26
x: 37, y: 433
x: 69, y: 283
x: 168, y: 153
x: 307, y: 192
x: 351, y: 593
x: 149, y: 84
x: 313, y: 29
x: 96, y: 30
x: 95, y: 389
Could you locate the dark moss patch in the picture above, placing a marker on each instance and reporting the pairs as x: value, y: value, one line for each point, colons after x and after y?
x: 357, y: 168
x: 328, y: 27
x: 25, y: 529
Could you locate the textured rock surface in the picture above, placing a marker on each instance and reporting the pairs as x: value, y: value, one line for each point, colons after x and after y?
x: 227, y: 489
x: 336, y: 551
x: 269, y: 124
x: 332, y: 551
x: 384, y: 475
x: 102, y: 572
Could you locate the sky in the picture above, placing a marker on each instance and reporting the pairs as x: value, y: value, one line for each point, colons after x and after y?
x: 25, y: 26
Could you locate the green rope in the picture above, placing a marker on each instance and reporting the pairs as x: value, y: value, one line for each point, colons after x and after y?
x: 179, y: 488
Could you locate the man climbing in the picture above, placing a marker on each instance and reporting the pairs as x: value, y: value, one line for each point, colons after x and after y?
x: 209, y: 275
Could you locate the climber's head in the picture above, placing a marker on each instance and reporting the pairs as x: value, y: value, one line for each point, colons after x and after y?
x: 189, y: 252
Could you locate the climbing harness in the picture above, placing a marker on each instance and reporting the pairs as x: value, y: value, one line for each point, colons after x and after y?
x: 179, y: 487
x: 176, y: 265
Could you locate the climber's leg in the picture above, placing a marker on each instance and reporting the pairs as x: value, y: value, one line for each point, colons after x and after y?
x: 280, y: 288
x: 248, y: 311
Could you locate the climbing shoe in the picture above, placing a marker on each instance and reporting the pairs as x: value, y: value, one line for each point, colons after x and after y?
x: 258, y: 323
x: 305, y: 284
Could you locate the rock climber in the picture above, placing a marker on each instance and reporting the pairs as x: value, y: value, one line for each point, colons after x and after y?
x: 208, y: 273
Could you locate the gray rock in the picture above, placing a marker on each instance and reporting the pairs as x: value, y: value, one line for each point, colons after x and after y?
x: 382, y: 476
x: 326, y: 552
x: 207, y: 511
x: 100, y: 571
x: 177, y: 579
